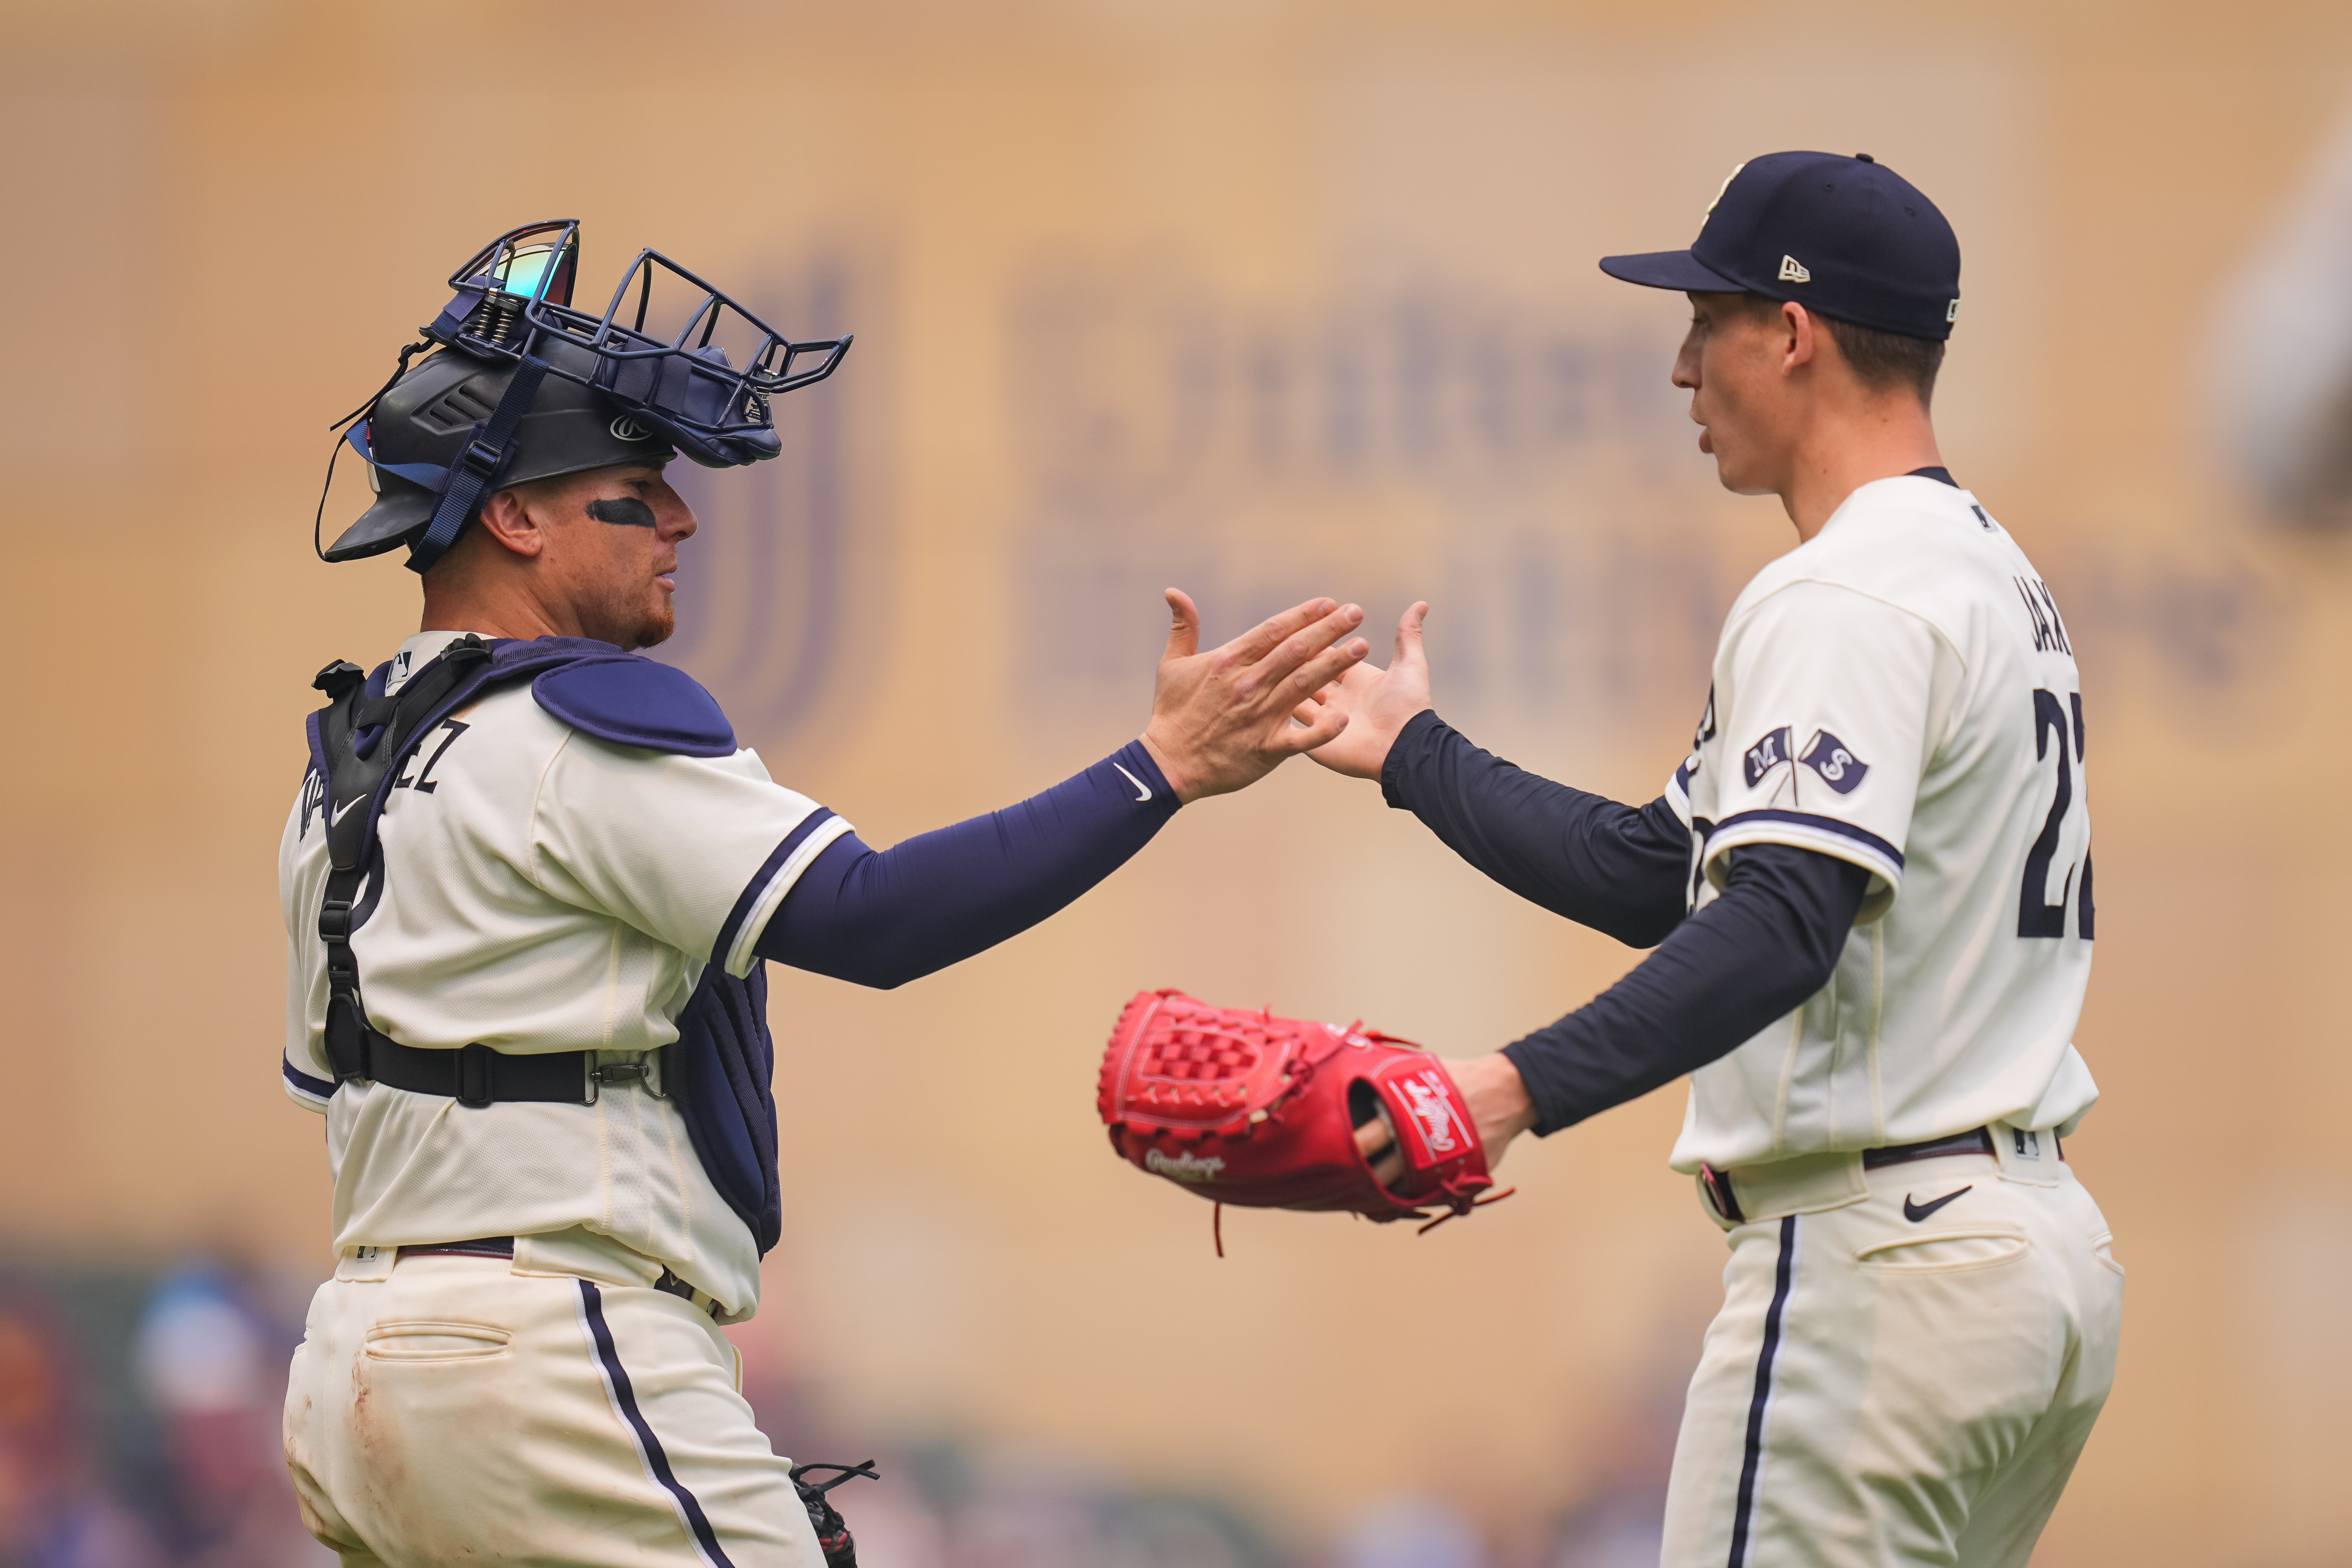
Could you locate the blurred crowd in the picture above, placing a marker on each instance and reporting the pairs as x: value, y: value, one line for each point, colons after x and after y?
x: 139, y: 1428
x: 139, y: 1419
x: 948, y: 1504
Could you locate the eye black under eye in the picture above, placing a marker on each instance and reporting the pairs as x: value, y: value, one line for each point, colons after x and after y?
x: 623, y: 509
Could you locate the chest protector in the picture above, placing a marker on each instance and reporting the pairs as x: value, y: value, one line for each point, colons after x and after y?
x: 722, y: 1066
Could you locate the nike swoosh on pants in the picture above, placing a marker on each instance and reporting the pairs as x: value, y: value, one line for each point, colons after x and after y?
x: 1914, y: 1213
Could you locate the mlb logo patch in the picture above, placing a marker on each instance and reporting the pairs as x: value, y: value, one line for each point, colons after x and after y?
x: 1835, y: 761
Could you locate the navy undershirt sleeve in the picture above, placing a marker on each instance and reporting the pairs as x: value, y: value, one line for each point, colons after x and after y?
x: 1751, y: 956
x: 1618, y: 870
x: 883, y: 918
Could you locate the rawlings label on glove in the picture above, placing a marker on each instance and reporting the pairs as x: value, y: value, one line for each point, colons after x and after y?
x: 1246, y: 1108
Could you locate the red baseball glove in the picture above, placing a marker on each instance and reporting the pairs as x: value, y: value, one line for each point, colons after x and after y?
x: 1246, y: 1108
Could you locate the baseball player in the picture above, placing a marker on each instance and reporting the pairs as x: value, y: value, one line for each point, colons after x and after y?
x: 1869, y: 892
x: 529, y: 885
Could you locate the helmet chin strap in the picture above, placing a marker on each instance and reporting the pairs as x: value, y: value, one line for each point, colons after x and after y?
x: 493, y: 446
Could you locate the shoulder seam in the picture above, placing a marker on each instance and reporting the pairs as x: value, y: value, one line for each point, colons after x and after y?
x: 531, y: 828
x: 1941, y: 635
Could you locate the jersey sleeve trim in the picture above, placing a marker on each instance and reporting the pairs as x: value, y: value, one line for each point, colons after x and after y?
x: 737, y: 939
x: 312, y: 1093
x: 1826, y: 835
x: 1677, y: 791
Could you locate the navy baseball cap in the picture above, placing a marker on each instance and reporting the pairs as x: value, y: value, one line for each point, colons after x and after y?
x: 1847, y: 238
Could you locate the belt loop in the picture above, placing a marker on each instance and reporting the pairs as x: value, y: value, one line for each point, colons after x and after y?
x: 474, y: 1071
x: 2026, y: 1154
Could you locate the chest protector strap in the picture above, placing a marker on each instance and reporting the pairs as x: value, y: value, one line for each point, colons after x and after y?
x: 363, y: 740
x: 718, y: 1071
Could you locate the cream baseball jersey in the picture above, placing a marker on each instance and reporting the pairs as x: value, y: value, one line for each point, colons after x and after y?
x: 1899, y: 692
x: 543, y: 890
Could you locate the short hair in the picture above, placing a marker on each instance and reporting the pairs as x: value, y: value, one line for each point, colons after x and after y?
x: 1883, y: 360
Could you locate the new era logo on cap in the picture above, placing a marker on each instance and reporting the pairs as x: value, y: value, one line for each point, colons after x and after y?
x: 1877, y: 253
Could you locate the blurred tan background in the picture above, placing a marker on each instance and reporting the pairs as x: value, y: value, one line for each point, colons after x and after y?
x: 1266, y: 300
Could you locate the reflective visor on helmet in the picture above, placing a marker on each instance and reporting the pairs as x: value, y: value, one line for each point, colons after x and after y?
x: 538, y: 270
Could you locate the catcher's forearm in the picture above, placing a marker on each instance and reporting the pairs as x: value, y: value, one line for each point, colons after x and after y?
x: 1601, y: 864
x: 1728, y: 972
x: 884, y: 917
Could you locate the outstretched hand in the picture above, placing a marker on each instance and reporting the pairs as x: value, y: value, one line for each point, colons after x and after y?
x: 1376, y: 703
x: 1225, y: 718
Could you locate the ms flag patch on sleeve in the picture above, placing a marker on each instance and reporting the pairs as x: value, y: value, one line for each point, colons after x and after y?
x: 1764, y: 756
x: 1830, y: 757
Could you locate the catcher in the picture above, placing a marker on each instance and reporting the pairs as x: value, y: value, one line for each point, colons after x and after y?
x: 529, y: 885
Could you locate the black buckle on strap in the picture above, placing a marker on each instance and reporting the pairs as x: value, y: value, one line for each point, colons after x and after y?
x: 481, y: 458
x: 647, y: 1071
x: 475, y: 1067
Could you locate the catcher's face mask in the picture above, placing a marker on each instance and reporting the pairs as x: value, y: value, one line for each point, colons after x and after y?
x: 691, y: 363
x: 682, y: 364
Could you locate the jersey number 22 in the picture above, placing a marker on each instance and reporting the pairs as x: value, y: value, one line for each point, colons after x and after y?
x: 2035, y: 915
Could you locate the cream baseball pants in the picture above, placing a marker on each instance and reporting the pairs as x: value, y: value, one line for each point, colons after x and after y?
x: 449, y: 1409
x: 1906, y: 1365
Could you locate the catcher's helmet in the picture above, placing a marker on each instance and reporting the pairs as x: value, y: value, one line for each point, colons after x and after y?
x: 524, y: 387
x: 423, y: 422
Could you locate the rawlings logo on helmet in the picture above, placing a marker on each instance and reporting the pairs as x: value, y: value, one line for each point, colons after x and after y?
x: 1185, y: 1167
x: 627, y: 430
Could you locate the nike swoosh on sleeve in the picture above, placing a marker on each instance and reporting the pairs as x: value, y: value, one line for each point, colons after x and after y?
x: 1140, y: 792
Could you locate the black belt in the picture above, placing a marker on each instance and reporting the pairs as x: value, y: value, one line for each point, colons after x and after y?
x: 476, y: 1075
x: 503, y: 1246
x: 481, y: 1247
x: 1978, y: 1141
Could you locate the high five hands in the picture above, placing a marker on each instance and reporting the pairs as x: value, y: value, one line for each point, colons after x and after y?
x: 1373, y: 704
x: 1225, y: 718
